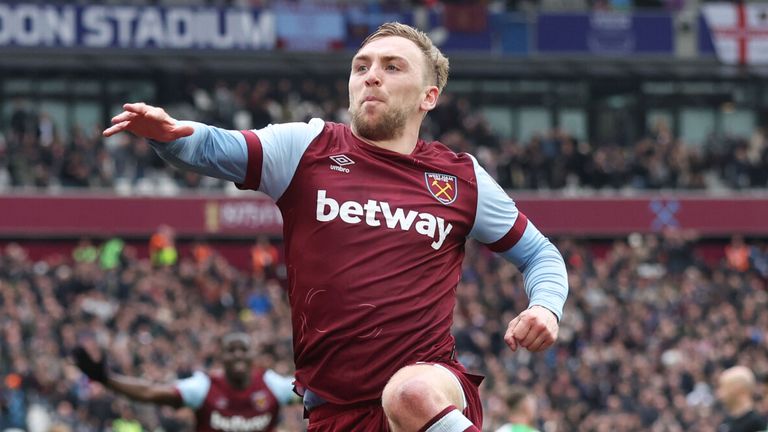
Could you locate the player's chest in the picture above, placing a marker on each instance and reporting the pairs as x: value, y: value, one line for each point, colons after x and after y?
x: 249, y: 403
x: 362, y: 184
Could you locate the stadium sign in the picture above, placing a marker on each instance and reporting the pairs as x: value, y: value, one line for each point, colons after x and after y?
x: 606, y: 33
x: 135, y: 27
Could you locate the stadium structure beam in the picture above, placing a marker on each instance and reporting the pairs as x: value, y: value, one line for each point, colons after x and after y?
x: 466, y: 65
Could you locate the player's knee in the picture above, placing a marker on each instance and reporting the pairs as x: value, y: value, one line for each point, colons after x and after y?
x: 412, y: 397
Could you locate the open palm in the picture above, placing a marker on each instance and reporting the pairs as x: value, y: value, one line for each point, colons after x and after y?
x: 149, y: 122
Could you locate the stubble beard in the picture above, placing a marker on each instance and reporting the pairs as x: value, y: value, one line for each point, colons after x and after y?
x: 390, y: 124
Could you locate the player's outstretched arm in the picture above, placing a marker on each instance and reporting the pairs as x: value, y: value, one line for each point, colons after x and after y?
x: 149, y: 122
x: 134, y: 388
x: 188, y: 146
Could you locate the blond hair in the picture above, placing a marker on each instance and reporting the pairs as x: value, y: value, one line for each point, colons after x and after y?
x: 436, y: 61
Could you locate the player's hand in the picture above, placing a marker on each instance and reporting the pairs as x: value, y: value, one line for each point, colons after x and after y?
x: 535, y: 329
x: 149, y: 122
x: 95, y: 369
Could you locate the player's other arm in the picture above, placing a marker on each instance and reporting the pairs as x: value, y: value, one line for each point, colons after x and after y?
x: 505, y: 230
x: 546, y: 284
x: 134, y: 388
x: 542, y: 266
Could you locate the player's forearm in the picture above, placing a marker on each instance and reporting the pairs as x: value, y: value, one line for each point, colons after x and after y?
x: 209, y: 151
x: 543, y: 268
x: 546, y: 280
x: 143, y: 391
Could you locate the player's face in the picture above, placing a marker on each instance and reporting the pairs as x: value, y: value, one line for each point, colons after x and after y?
x: 237, y: 357
x: 386, y: 87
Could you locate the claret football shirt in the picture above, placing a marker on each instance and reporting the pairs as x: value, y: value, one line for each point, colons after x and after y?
x: 374, y: 243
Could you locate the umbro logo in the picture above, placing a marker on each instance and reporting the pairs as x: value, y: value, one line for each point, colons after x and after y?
x: 341, y: 161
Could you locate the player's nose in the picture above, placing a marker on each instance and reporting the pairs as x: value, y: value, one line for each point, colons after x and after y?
x: 372, y: 78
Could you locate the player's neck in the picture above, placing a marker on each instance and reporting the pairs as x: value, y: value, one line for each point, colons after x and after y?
x: 239, y: 383
x: 403, y: 144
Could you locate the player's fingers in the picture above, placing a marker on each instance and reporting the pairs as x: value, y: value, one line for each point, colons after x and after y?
x: 511, y: 343
x: 542, y: 342
x: 509, y: 336
x: 523, y: 327
x: 511, y: 327
x: 138, y: 107
x: 115, y: 129
x: 124, y: 116
x: 527, y: 333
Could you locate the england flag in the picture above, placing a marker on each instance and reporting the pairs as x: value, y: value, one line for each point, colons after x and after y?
x: 739, y: 32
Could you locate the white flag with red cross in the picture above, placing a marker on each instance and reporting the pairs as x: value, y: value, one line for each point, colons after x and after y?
x: 739, y: 31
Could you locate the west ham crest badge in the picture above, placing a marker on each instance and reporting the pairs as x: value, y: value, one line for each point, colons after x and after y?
x: 444, y: 187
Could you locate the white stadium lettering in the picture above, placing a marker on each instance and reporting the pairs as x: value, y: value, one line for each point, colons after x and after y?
x: 130, y: 26
x: 180, y: 23
x: 97, y: 30
x: 351, y: 212
x: 37, y: 25
x: 149, y: 29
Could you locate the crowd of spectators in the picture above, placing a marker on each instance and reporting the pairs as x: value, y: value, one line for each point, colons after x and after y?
x: 34, y: 153
x: 649, y: 325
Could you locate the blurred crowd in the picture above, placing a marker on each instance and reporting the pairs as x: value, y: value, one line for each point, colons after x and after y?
x: 650, y: 323
x: 34, y: 153
x: 159, y: 318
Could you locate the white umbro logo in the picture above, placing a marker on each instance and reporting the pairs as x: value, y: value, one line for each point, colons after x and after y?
x: 341, y: 161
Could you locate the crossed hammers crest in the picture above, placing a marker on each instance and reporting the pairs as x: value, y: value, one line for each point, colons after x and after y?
x: 443, y: 190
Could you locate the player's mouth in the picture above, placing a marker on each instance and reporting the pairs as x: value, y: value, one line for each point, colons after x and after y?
x: 371, y: 99
x: 240, y: 365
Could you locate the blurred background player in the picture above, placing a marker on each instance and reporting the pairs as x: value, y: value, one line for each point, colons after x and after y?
x: 736, y: 391
x: 243, y: 399
x: 522, y: 411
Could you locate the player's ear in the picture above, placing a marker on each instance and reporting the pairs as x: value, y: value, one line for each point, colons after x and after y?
x: 429, y: 101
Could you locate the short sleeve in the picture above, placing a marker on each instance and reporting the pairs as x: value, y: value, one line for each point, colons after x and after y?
x: 194, y: 389
x: 280, y: 386
x: 274, y: 153
x: 498, y: 223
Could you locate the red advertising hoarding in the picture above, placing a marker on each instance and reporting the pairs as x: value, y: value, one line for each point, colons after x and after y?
x: 229, y: 217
